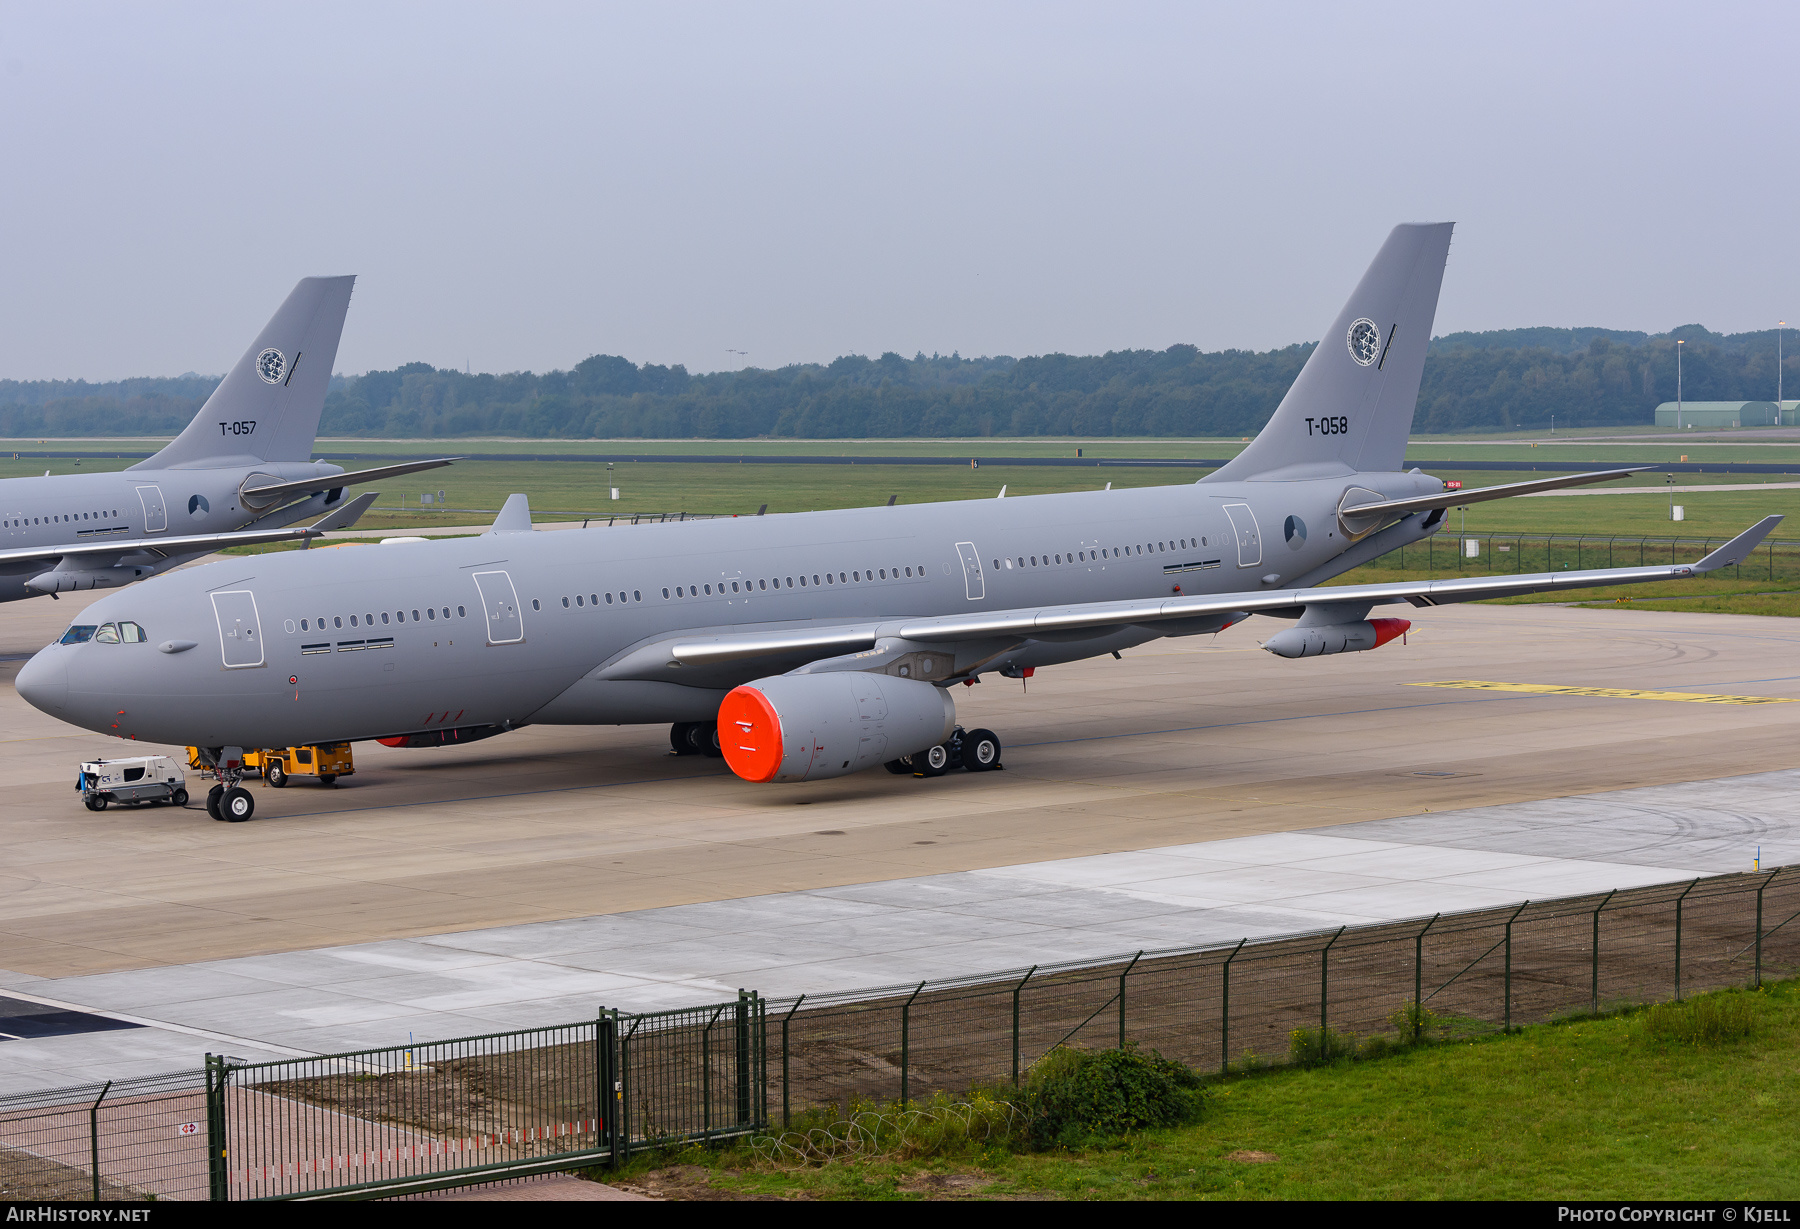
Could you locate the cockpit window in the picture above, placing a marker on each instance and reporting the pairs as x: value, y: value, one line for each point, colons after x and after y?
x: 131, y: 633
x: 108, y: 634
x: 79, y: 633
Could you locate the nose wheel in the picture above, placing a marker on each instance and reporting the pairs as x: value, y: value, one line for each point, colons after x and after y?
x: 229, y: 800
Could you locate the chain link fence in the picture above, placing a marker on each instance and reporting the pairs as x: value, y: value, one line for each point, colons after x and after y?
x: 1447, y: 552
x: 1240, y: 1005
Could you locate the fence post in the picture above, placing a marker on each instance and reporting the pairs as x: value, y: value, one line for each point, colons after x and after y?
x: 1690, y: 887
x: 1593, y: 994
x: 1324, y: 964
x: 606, y: 1036
x: 787, y: 1105
x: 706, y: 1119
x: 1418, y: 1021
x: 94, y: 1137
x: 218, y: 1188
x: 1508, y: 989
x: 1225, y: 1009
x: 1759, y: 915
x: 906, y: 1045
x: 1015, y: 998
x: 1128, y: 969
x: 741, y: 1022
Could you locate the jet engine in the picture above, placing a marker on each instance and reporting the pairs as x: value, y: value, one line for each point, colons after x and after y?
x: 807, y: 727
x: 97, y: 578
x: 1335, y: 638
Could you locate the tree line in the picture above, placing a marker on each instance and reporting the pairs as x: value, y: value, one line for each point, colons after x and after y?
x: 1500, y: 380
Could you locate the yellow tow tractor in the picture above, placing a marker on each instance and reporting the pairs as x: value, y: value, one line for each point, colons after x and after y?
x: 326, y: 761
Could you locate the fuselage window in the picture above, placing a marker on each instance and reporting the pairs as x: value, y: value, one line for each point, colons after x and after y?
x: 384, y: 616
x: 446, y: 612
x: 432, y: 614
x: 609, y: 597
x: 621, y: 599
x: 790, y: 582
x: 709, y: 591
x: 352, y: 620
x: 415, y: 616
x: 637, y: 595
x: 534, y: 604
x: 337, y: 620
x: 369, y: 619
x: 459, y: 612
x: 829, y: 580
x: 303, y: 625
x: 565, y: 603
x: 803, y: 582
x: 665, y: 594
x: 579, y: 600
x: 762, y: 584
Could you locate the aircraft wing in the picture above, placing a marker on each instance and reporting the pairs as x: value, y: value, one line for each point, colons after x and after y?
x: 193, y: 544
x: 270, y: 492
x: 1099, y: 617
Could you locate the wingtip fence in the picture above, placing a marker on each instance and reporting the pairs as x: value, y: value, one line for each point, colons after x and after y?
x: 406, y: 1119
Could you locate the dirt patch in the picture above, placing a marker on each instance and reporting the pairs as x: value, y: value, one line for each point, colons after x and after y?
x: 1245, y: 1156
x: 692, y: 1182
x: 25, y: 1178
x: 946, y: 1186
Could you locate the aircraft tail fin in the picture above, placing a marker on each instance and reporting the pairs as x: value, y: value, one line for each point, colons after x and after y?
x: 1351, y: 407
x: 268, y: 407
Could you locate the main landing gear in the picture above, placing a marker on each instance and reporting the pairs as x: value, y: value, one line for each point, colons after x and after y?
x: 975, y: 750
x: 695, y: 738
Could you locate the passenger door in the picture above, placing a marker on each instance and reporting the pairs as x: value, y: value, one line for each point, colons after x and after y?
x: 156, y: 518
x: 240, y: 631
x: 500, y: 606
x: 973, y: 581
x: 1249, y: 541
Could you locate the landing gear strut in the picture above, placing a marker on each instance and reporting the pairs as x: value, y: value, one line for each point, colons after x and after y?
x: 975, y: 750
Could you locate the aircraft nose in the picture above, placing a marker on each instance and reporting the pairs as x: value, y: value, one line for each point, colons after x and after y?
x: 44, y: 682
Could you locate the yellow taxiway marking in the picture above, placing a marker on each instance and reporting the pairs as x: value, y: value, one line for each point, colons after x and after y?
x: 1619, y: 693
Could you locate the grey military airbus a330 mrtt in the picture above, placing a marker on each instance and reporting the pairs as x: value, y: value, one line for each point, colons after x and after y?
x: 241, y: 472
x: 817, y: 644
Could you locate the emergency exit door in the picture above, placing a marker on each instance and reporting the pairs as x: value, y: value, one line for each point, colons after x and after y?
x: 974, y: 584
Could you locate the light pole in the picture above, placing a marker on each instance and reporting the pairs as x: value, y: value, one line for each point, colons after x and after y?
x: 1780, y: 330
x: 1671, y: 478
x: 1678, y: 345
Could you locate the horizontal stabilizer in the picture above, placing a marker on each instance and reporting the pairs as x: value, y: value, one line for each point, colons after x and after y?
x: 269, y: 493
x: 1455, y: 499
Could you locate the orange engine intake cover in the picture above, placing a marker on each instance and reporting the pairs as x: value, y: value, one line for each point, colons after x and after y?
x: 750, y: 734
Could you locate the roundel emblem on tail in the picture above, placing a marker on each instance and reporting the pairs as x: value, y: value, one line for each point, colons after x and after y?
x: 1364, y: 341
x: 271, y: 363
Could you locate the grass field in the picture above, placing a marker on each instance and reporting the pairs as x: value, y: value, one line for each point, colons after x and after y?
x: 1594, y: 1109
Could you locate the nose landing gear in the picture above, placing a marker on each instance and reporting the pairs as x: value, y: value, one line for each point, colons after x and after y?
x: 974, y: 750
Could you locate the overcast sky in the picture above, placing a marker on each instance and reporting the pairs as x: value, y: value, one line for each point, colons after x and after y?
x: 520, y: 186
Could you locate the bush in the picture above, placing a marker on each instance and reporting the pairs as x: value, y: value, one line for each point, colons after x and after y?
x: 1309, y: 1047
x: 941, y: 1127
x: 1703, y: 1021
x: 1075, y: 1096
x: 1416, y: 1022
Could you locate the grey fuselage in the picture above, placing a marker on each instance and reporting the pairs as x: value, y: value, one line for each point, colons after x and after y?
x: 258, y: 668
x: 83, y: 511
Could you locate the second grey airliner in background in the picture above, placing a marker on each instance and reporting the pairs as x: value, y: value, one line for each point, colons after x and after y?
x: 241, y: 472
x: 810, y: 645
